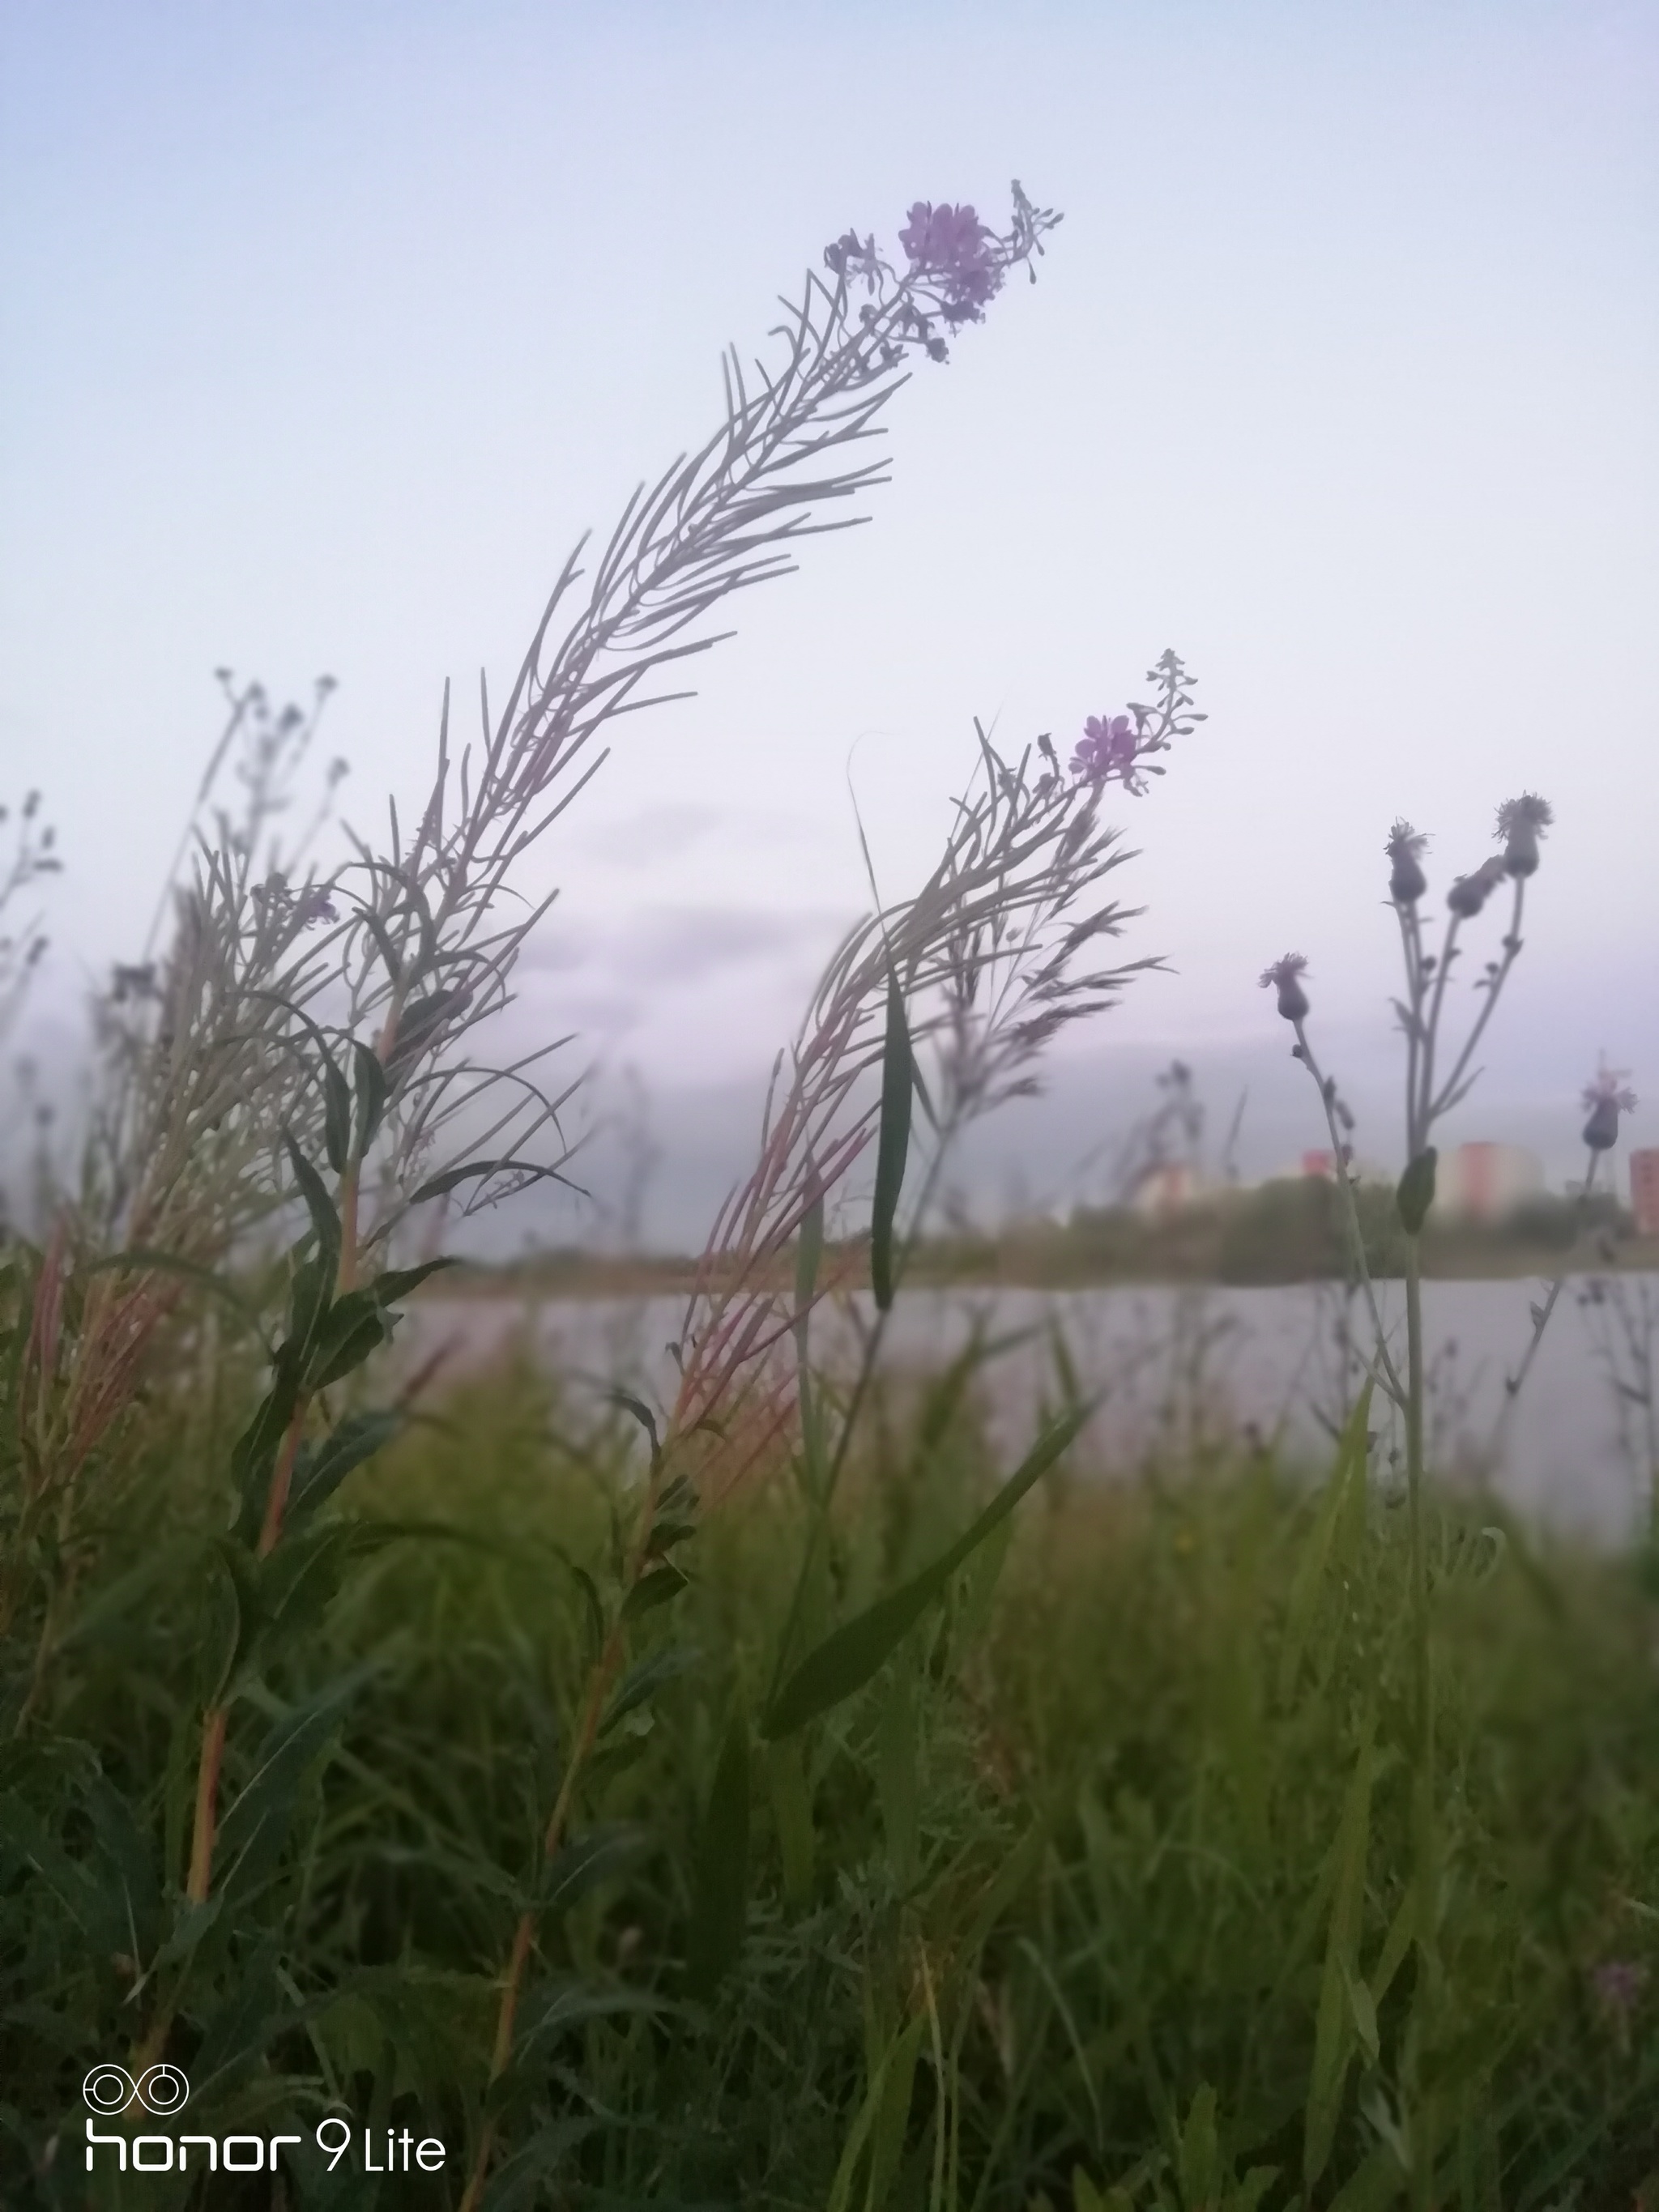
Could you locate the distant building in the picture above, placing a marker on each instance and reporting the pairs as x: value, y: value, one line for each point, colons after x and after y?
x: 1645, y: 1190
x: 1487, y: 1181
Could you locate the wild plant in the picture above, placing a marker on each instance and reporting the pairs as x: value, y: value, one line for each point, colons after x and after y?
x: 303, y: 1028
x: 1439, y: 1074
x: 981, y: 969
x: 302, y: 1046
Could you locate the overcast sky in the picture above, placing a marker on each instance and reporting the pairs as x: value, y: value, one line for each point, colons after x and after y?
x: 328, y: 327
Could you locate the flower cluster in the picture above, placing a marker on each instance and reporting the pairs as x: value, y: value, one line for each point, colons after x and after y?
x: 956, y: 264
x: 1107, y: 749
x: 952, y: 246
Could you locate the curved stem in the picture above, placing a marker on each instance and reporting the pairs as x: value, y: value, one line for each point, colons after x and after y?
x: 1435, y: 1104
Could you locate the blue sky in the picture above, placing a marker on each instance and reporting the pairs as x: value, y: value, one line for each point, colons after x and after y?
x: 327, y: 328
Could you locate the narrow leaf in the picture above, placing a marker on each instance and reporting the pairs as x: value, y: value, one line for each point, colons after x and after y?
x: 371, y: 1097
x: 846, y: 1661
x: 721, y: 1882
x: 892, y: 1142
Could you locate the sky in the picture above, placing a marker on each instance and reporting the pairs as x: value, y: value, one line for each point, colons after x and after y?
x: 328, y: 328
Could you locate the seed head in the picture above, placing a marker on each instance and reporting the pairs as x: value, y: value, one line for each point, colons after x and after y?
x: 1606, y: 1097
x: 1285, y: 976
x: 1521, y: 823
x: 1406, y: 881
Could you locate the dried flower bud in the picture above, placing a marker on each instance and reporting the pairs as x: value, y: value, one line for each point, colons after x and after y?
x: 1606, y: 1097
x: 1521, y: 823
x: 1407, y: 881
x: 1285, y: 977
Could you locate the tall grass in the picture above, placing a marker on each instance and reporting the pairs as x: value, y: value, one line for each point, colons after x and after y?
x: 1102, y: 1883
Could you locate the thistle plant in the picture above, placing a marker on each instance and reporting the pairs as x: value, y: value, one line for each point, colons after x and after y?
x: 1440, y: 1072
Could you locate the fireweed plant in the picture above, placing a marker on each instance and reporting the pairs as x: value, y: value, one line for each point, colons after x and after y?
x: 297, y: 1041
x: 1439, y: 1074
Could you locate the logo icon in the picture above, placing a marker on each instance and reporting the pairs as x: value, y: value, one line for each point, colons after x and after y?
x: 109, y: 2089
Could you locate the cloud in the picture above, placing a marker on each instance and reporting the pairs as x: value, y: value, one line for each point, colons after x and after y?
x: 661, y: 945
x: 650, y: 835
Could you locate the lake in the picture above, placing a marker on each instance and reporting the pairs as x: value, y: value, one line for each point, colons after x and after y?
x: 1179, y: 1367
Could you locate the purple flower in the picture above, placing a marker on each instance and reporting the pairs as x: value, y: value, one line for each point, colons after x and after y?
x: 1606, y: 1096
x: 952, y: 247
x: 312, y: 907
x: 1285, y: 977
x: 1107, y: 749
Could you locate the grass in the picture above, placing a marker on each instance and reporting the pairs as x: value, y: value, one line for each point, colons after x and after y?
x: 1098, y: 1886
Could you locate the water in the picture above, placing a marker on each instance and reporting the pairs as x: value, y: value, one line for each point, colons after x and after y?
x: 1178, y: 1367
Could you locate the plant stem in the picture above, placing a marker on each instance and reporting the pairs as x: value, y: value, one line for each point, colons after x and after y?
x: 1387, y: 1373
x: 207, y: 1799
x: 1425, y: 1827
x: 595, y: 1694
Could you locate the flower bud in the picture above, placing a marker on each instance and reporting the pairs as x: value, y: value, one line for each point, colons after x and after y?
x: 1607, y: 1097
x: 1521, y: 823
x: 1470, y: 893
x: 1406, y: 881
x: 1285, y: 977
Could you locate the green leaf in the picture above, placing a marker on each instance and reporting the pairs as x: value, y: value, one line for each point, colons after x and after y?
x: 1334, y: 2030
x: 324, y: 1220
x: 847, y: 1660
x: 792, y: 1814
x: 720, y: 1892
x: 892, y: 1142
x: 321, y: 1468
x: 398, y: 1282
x: 641, y: 1412
x: 576, y: 1868
x: 893, y: 2115
x: 655, y: 1588
x: 377, y: 930
x: 253, y: 1455
x: 234, y: 1616
x: 897, y: 1776
x: 643, y: 1681
x: 371, y: 1086
x: 1308, y: 1582
x: 438, y: 1186
x: 1416, y: 1193
x: 255, y: 1828
x: 353, y: 1329
x: 808, y: 1251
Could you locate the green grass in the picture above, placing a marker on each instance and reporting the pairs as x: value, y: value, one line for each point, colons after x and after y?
x: 1099, y: 1887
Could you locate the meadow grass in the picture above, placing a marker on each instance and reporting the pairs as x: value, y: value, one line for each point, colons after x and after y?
x: 1101, y: 1886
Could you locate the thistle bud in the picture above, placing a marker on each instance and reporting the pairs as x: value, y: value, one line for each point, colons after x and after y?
x: 1470, y: 893
x: 1285, y: 977
x: 1607, y: 1097
x: 1406, y: 881
x: 1521, y: 823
